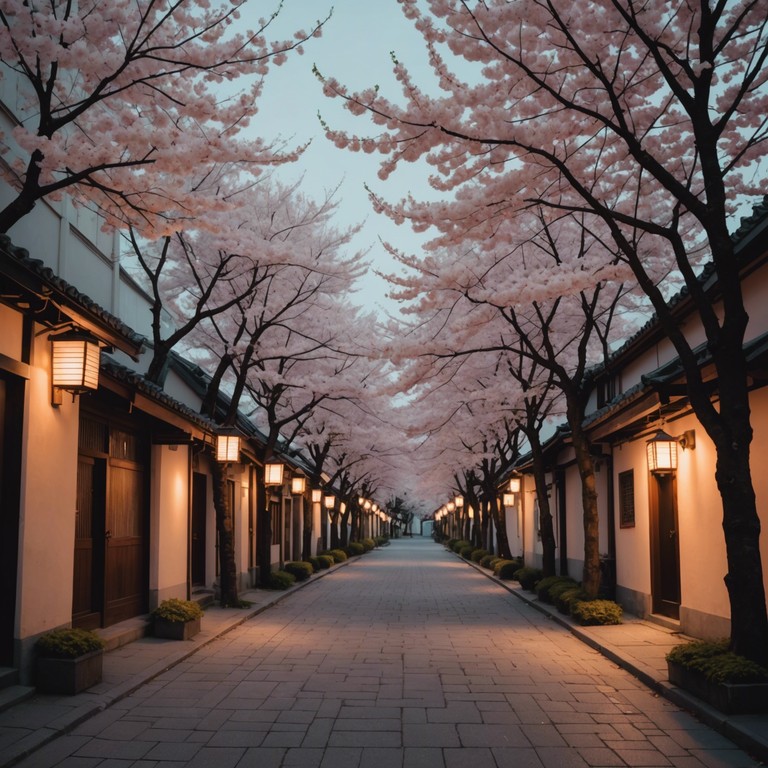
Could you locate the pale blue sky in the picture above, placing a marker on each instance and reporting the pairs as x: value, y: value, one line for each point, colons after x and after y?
x: 355, y: 48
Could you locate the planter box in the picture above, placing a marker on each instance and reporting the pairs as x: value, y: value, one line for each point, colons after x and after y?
x: 69, y: 676
x: 731, y: 698
x: 176, y: 630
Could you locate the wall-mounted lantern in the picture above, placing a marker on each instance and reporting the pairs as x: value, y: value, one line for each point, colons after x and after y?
x: 514, y: 485
x: 298, y: 485
x: 329, y: 501
x: 317, y: 495
x: 508, y: 499
x: 273, y: 474
x: 661, y: 450
x: 227, y: 447
x: 450, y: 506
x: 459, y: 502
x: 74, y: 364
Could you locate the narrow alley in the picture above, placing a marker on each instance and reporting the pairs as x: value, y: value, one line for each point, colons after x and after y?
x: 407, y: 657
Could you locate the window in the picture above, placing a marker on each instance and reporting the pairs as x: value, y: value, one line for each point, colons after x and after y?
x: 627, y: 499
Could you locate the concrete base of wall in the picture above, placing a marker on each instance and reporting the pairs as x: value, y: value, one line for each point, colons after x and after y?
x: 638, y: 603
x: 707, y: 626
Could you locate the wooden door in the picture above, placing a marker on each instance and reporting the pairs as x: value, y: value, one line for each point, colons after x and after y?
x: 87, y: 593
x: 11, y: 425
x: 665, y: 550
x: 197, y: 547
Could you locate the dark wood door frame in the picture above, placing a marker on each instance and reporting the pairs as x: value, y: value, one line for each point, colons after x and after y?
x: 665, y: 545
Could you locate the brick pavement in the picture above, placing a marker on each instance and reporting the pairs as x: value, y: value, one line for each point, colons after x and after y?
x: 405, y: 659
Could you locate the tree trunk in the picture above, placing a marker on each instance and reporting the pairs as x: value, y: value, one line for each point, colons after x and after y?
x: 25, y: 200
x: 225, y: 528
x: 546, y: 528
x: 502, y: 540
x: 264, y: 530
x: 306, y: 538
x: 590, y: 582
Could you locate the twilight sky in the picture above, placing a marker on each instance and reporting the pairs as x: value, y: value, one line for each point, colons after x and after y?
x: 355, y: 48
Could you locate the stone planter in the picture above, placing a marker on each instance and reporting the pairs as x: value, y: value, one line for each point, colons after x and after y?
x: 176, y: 630
x: 731, y: 698
x: 69, y: 676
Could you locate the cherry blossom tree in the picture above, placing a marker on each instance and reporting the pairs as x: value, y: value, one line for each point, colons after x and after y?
x: 648, y: 118
x: 117, y: 97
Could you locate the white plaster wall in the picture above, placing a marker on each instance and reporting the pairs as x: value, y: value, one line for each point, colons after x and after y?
x: 633, y: 556
x: 169, y: 523
x: 48, y: 502
x: 11, y: 327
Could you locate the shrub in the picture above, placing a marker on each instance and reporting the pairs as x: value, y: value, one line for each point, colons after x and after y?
x: 381, y: 541
x: 326, y: 561
x: 557, y: 589
x: 590, y: 613
x: 300, y: 569
x: 569, y: 596
x: 717, y: 663
x: 354, y: 548
x: 466, y: 552
x: 338, y: 555
x: 368, y: 544
x: 544, y: 586
x: 478, y: 555
x: 450, y: 543
x: 178, y: 610
x: 506, y: 569
x: 280, y: 580
x: 459, y: 544
x: 528, y: 577
x: 315, y: 563
x: 68, y: 643
x: 488, y: 560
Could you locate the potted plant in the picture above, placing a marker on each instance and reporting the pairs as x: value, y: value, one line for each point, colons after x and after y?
x: 728, y: 682
x: 177, y: 619
x: 68, y: 660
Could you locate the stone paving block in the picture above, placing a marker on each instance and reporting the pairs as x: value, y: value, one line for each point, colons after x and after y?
x: 430, y: 735
x: 561, y: 757
x: 423, y: 757
x: 601, y: 756
x: 174, y: 752
x: 341, y: 757
x: 260, y: 757
x: 133, y: 750
x: 469, y: 758
x: 365, y: 739
x: 283, y: 738
x: 233, y: 738
x: 455, y: 712
x: 219, y: 757
x: 381, y: 757
x: 642, y: 757
x: 302, y: 757
x: 492, y: 736
x: 355, y: 724
x: 724, y: 758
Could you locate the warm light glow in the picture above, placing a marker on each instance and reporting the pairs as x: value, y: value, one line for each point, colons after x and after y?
x: 375, y: 507
x: 367, y: 505
x: 451, y: 506
x: 514, y: 485
x: 329, y: 501
x: 343, y: 507
x: 298, y: 485
x: 75, y: 362
x: 509, y: 499
x: 360, y: 501
x: 317, y: 495
x: 471, y: 513
x: 273, y: 474
x: 227, y: 447
x: 662, y: 452
x: 459, y: 501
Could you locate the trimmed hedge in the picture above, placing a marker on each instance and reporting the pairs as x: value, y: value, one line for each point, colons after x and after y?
x: 506, y: 569
x: 338, y: 555
x: 354, y: 548
x: 544, y: 586
x: 300, y: 569
x: 592, y: 613
x: 68, y: 643
x: 315, y: 563
x: 528, y: 577
x: 717, y: 663
x: 381, y: 541
x: 326, y: 561
x: 459, y: 544
x: 280, y: 580
x: 368, y: 544
x: 466, y: 552
x: 478, y: 555
x: 488, y: 561
x: 567, y: 598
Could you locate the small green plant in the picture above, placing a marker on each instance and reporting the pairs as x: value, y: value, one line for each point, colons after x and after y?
x: 450, y: 543
x: 338, y: 555
x: 459, y: 544
x: 300, y: 569
x: 381, y: 541
x: 68, y: 643
x: 566, y: 598
x: 466, y: 552
x: 591, y: 613
x: 488, y: 560
x: 478, y: 555
x: 280, y: 580
x: 528, y: 577
x: 717, y: 663
x: 557, y: 589
x: 315, y: 563
x: 177, y: 610
x: 354, y: 548
x: 368, y: 544
x: 506, y: 569
x: 545, y: 586
x: 326, y: 561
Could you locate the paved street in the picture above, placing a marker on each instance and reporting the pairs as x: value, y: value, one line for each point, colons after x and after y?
x: 408, y: 657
